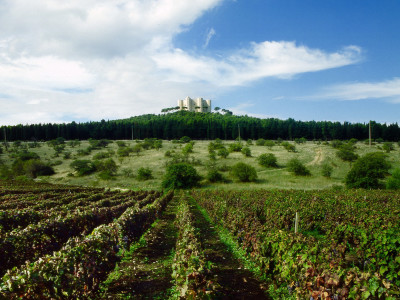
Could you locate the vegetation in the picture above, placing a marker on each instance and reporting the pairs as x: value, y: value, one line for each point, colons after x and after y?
x: 267, y: 160
x: 367, y: 171
x: 244, y: 172
x: 180, y: 176
x: 297, y: 168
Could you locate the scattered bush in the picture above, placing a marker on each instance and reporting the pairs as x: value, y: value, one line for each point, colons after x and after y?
x: 388, y: 146
x: 269, y: 144
x: 188, y: 148
x: 393, y: 183
x: 144, y: 174
x: 235, y: 147
x: 336, y: 144
x: 124, y: 151
x: 101, y: 155
x: 214, y: 176
x: 83, y: 167
x: 346, y: 154
x: 367, y: 171
x: 326, y: 170
x: 267, y: 160
x: 288, y: 146
x: 185, y: 139
x: 121, y: 144
x: 298, y: 168
x: 180, y: 176
x: 249, y: 142
x: 244, y: 172
x: 223, y: 152
x: 246, y: 151
x: 260, y: 142
x: 35, y: 168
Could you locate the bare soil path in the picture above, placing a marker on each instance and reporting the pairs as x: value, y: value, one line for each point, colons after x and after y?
x: 234, y: 280
x: 147, y: 273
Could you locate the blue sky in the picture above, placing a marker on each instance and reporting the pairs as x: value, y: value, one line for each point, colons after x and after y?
x: 330, y: 60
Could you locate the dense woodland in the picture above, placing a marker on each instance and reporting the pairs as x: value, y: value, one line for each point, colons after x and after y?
x: 201, y: 126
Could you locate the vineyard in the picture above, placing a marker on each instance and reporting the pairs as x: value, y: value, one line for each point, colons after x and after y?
x: 62, y: 242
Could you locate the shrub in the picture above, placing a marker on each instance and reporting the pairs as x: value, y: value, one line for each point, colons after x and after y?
x: 388, y: 146
x: 144, y: 174
x: 288, y: 146
x: 235, y: 147
x: 25, y: 155
x: 249, y: 142
x: 108, y: 166
x: 101, y: 155
x: 260, y: 142
x: 180, y: 176
x: 188, y: 148
x: 326, y: 170
x: 297, y: 168
x: 346, y: 154
x: 34, y: 168
x: 367, y: 170
x: 121, y: 144
x: 393, y: 183
x: 124, y: 151
x: 83, y: 167
x: 336, y: 144
x: 246, y: 151
x: 223, y: 152
x: 214, y: 176
x: 185, y: 139
x: 267, y: 160
x: 269, y: 144
x: 244, y: 172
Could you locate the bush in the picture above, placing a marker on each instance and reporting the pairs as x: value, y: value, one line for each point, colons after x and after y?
x: 144, y: 174
x: 185, y: 139
x: 249, y: 142
x: 297, y: 168
x: 214, y: 176
x: 83, y: 167
x: 124, y: 151
x: 393, y: 183
x: 244, y: 172
x: 246, y: 151
x: 367, y: 170
x: 31, y: 168
x: 101, y: 155
x: 107, y: 166
x: 326, y: 170
x: 267, y: 160
x: 288, y: 146
x: 223, y: 152
x: 269, y: 144
x: 121, y: 144
x: 346, y: 154
x: 235, y: 147
x: 180, y: 176
x: 188, y: 148
x: 388, y: 146
x: 260, y: 142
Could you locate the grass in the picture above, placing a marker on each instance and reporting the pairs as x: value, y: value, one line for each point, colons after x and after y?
x: 313, y: 155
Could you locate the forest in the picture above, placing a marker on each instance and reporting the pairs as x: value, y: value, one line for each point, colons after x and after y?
x: 206, y: 126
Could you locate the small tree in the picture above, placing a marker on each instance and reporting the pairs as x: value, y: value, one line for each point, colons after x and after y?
x: 244, y: 172
x: 267, y: 160
x: 83, y: 167
x: 214, y: 176
x: 144, y: 174
x: 180, y: 176
x: 346, y: 154
x: 393, y: 183
x: 246, y: 151
x: 297, y: 168
x: 367, y: 171
x: 223, y: 152
x: 388, y: 146
x: 326, y: 170
x: 288, y: 146
x: 260, y: 142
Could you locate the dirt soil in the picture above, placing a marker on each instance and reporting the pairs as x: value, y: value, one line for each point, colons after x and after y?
x: 234, y: 280
x: 147, y: 274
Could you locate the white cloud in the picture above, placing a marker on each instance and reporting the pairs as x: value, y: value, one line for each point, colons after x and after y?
x: 209, y: 36
x: 389, y: 89
x: 113, y: 59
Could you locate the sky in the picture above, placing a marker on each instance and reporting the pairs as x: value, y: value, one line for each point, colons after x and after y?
x: 331, y: 60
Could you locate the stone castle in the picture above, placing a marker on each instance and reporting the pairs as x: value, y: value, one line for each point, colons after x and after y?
x: 195, y: 105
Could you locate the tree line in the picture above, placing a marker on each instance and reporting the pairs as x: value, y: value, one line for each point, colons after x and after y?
x: 201, y: 126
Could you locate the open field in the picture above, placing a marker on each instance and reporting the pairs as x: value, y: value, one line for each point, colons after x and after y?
x: 312, y: 154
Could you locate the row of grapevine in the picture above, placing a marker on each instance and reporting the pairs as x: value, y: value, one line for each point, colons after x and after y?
x: 84, y: 262
x: 191, y: 271
x: 348, y: 245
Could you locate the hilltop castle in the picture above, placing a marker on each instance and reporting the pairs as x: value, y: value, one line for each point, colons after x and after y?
x: 195, y: 105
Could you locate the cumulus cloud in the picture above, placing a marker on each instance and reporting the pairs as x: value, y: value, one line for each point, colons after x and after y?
x: 389, y: 90
x: 94, y: 59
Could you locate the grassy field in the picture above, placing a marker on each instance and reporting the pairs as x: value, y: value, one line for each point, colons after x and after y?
x: 312, y: 154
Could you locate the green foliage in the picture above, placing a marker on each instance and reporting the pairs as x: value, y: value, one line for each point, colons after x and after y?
x: 336, y: 144
x: 188, y: 148
x: 180, y: 176
x: 83, y: 167
x: 144, y: 174
x: 297, y: 167
x: 260, y: 142
x: 101, y: 155
x: 249, y: 142
x: 346, y: 154
x: 393, y: 183
x: 223, y: 152
x: 388, y: 146
x: 97, y: 144
x: 125, y: 151
x: 267, y: 160
x: 84, y: 152
x: 326, y: 170
x: 244, y: 172
x: 30, y: 167
x: 246, y: 151
x: 288, y: 146
x: 107, y: 168
x: 25, y: 155
x: 367, y: 171
x: 269, y: 144
x: 214, y: 176
x: 185, y: 139
x: 300, y: 140
x: 74, y: 143
x: 121, y: 144
x: 235, y: 147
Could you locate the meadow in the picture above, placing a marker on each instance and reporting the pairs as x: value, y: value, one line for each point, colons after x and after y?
x: 314, y: 155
